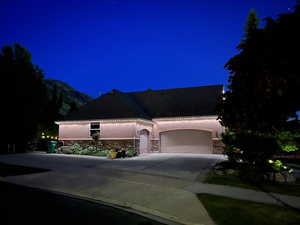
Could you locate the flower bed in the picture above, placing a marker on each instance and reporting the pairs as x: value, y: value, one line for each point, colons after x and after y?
x: 93, y: 151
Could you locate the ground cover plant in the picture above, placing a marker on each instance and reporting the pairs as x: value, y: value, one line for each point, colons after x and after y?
x: 239, y: 175
x: 95, y: 151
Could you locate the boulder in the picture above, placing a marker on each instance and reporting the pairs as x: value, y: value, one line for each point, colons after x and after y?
x: 281, y: 177
x: 65, y: 149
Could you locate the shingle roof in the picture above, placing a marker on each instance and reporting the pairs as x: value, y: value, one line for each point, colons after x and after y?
x: 193, y: 101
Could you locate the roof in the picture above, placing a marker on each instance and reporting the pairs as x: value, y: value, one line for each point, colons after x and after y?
x: 192, y: 101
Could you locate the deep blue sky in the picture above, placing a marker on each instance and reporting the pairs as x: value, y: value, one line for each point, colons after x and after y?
x: 99, y: 45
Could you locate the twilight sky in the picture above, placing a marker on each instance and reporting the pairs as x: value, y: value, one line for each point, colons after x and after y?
x: 99, y: 45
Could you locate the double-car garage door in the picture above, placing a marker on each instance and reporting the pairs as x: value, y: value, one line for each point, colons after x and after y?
x: 186, y: 141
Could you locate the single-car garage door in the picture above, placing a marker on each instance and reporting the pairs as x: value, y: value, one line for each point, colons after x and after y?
x: 186, y: 141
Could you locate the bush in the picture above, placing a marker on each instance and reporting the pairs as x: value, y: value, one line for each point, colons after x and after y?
x: 92, y: 150
x: 65, y: 150
x: 288, y: 141
x: 80, y: 150
x: 76, y: 148
x: 131, y: 153
x: 250, y: 147
x: 84, y: 151
x: 101, y: 153
x: 231, y: 149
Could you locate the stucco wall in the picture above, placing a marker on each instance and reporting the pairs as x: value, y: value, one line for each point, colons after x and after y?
x: 117, y: 130
x: 74, y: 131
x: 210, y: 124
x: 108, y: 130
x: 141, y: 125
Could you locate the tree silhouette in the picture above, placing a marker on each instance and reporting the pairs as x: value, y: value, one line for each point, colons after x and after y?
x: 251, y: 24
x: 264, y: 83
x: 26, y: 96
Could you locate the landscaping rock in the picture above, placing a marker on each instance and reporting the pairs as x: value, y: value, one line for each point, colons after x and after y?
x: 283, y: 177
x: 230, y: 171
x: 219, y: 172
x: 280, y: 178
x: 66, y: 149
x: 289, y: 177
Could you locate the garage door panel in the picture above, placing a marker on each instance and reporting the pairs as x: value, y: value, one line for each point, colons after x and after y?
x: 186, y: 141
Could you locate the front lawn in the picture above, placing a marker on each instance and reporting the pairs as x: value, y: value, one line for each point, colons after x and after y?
x: 228, y: 211
x: 235, y: 180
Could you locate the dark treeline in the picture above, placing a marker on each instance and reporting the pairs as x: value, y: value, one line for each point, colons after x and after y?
x: 32, y: 103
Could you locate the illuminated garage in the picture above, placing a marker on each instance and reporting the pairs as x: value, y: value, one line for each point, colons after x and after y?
x: 186, y: 141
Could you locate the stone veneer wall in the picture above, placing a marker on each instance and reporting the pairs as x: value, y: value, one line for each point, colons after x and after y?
x: 218, y: 146
x: 108, y: 144
x: 154, y: 146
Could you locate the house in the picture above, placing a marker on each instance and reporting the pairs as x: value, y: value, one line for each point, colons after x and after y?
x: 180, y: 120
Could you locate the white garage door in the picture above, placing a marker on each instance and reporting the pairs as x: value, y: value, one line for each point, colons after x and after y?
x: 186, y: 141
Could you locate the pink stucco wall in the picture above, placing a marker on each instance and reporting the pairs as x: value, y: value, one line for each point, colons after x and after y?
x: 117, y: 130
x: 208, y: 124
x: 108, y: 130
x: 74, y: 131
x: 143, y: 126
x: 130, y: 129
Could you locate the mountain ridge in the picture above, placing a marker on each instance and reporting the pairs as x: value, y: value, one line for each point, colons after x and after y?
x: 70, y: 96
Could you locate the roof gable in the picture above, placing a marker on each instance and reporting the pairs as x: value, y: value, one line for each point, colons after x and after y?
x: 112, y: 105
x: 194, y: 101
x: 200, y: 101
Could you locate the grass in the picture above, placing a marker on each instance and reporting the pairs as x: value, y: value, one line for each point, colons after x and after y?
x: 230, y: 180
x: 228, y: 211
x: 234, y: 180
x: 14, y: 170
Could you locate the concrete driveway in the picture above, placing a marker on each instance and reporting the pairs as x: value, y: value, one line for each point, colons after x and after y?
x: 154, y: 184
x: 178, y: 165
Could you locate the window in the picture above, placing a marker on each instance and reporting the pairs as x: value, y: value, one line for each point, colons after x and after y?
x: 94, y: 128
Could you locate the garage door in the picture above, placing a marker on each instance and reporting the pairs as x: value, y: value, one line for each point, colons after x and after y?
x: 186, y: 141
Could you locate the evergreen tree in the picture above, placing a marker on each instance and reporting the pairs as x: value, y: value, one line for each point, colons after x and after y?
x: 251, y: 24
x: 263, y: 84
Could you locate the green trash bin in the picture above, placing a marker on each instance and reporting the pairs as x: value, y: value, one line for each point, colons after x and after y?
x: 51, y: 146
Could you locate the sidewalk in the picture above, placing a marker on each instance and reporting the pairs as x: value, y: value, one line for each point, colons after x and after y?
x: 245, y: 194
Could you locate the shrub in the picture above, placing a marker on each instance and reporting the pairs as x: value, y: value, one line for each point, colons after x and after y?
x: 84, y: 151
x: 90, y: 150
x: 102, y: 153
x: 233, y: 153
x: 65, y: 150
x: 288, y: 141
x: 76, y: 148
x: 80, y: 150
x: 278, y: 166
x: 131, y: 153
x: 250, y: 147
